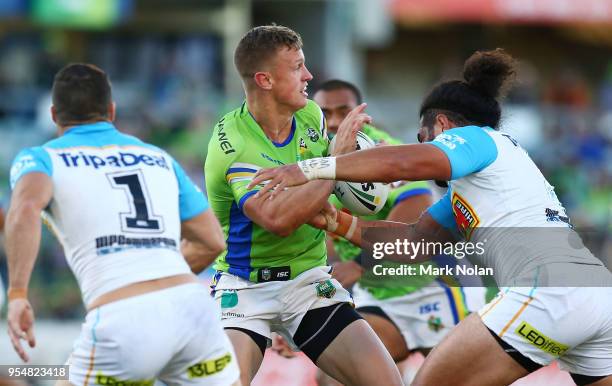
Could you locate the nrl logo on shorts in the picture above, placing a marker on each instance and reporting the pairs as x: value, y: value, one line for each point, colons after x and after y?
x: 465, y: 216
x: 312, y: 134
x: 325, y: 289
x: 266, y: 274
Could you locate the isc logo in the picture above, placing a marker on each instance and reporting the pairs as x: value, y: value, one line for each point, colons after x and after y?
x: 430, y: 307
x: 283, y: 274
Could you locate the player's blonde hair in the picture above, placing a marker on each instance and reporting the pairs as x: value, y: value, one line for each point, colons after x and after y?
x: 260, y: 44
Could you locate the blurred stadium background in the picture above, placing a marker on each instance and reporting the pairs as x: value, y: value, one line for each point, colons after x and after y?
x: 171, y: 66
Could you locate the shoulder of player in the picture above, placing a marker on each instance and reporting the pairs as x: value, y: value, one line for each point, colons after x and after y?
x: 227, y: 138
x: 227, y: 142
x: 32, y: 153
x: 468, y: 130
x: 311, y: 113
x: 30, y: 159
x: 463, y: 135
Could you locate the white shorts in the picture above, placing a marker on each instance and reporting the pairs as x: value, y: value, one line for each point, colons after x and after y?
x: 573, y: 325
x: 172, y: 334
x: 276, y: 306
x: 424, y: 316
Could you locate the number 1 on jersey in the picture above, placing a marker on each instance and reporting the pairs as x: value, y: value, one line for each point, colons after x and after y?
x: 139, y: 218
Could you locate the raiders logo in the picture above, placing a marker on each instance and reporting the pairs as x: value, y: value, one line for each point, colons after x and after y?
x: 465, y: 216
x: 312, y: 134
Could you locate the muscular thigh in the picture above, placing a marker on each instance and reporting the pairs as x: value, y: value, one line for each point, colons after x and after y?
x: 388, y: 333
x: 469, y: 355
x: 343, y: 358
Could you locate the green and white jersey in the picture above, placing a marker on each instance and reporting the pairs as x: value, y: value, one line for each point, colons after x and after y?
x: 239, y: 148
x: 385, y: 287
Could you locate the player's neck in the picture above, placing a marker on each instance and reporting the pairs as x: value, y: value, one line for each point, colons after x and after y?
x: 61, y: 129
x: 274, y: 119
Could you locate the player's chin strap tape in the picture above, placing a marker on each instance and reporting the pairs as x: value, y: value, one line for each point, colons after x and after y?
x: 319, y: 168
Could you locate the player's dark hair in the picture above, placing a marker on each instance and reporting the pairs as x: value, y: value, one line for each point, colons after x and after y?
x: 260, y: 44
x: 337, y: 84
x: 474, y: 99
x: 81, y: 93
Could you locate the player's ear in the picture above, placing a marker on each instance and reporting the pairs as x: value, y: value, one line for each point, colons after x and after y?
x: 443, y: 122
x: 263, y: 80
x: 112, y: 110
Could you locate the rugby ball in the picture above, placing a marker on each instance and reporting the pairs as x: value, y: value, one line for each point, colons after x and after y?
x: 361, y: 198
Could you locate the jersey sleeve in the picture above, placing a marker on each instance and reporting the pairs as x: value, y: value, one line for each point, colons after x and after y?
x: 469, y: 149
x: 442, y: 212
x: 408, y: 190
x: 191, y: 199
x: 229, y: 171
x: 238, y: 176
x: 34, y: 159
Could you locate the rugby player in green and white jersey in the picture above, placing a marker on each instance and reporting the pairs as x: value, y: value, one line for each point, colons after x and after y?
x: 273, y: 276
x: 408, y: 314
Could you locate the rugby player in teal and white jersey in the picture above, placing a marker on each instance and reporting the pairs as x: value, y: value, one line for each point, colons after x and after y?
x: 408, y: 314
x: 559, y: 308
x: 119, y: 207
x: 274, y: 275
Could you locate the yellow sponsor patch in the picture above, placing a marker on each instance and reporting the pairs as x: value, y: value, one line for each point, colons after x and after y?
x: 541, y: 341
x: 465, y: 216
x: 209, y: 367
x: 102, y: 379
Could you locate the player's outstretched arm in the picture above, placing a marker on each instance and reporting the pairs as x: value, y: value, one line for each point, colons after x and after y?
x: 381, y: 164
x: 31, y: 195
x: 290, y: 209
x: 202, y: 240
x: 425, y: 229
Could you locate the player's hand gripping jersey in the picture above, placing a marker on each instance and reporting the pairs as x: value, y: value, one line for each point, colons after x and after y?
x: 238, y: 149
x: 98, y: 171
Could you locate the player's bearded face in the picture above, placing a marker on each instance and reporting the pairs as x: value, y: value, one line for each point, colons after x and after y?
x: 290, y: 78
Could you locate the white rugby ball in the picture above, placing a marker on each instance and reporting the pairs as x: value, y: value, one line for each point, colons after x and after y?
x: 361, y: 198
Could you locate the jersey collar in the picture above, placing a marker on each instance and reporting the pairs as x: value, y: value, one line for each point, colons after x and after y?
x: 90, y: 128
x: 244, y: 110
